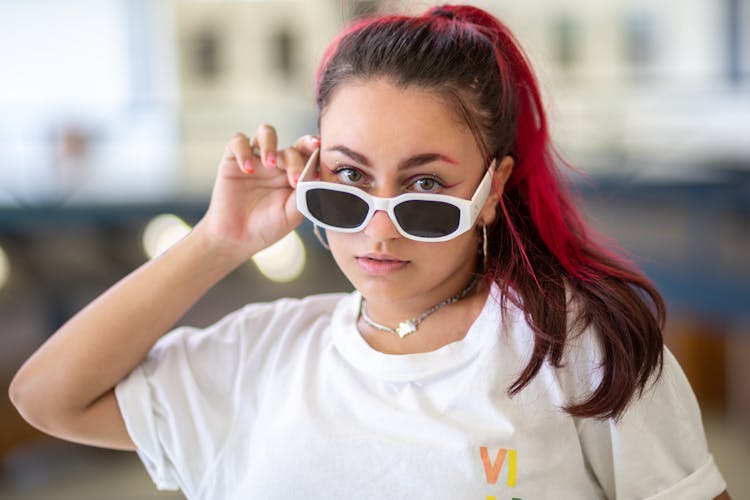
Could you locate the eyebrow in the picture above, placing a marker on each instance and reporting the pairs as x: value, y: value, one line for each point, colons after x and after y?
x: 412, y: 161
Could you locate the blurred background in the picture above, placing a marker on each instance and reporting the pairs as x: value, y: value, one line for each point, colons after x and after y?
x: 114, y: 114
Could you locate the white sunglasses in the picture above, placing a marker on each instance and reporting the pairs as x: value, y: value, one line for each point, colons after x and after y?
x: 417, y: 216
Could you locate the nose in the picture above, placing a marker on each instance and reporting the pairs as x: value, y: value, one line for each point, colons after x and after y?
x: 381, y: 227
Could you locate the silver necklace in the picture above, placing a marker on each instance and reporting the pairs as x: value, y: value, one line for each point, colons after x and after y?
x: 410, y: 325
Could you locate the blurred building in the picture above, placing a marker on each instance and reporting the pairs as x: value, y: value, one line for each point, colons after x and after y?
x: 152, y: 89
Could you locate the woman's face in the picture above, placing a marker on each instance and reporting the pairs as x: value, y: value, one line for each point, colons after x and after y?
x: 367, y: 132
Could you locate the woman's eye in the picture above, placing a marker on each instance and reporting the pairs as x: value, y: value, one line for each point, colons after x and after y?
x: 427, y: 185
x: 349, y: 175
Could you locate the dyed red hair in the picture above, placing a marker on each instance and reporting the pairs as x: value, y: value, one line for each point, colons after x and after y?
x: 540, y: 249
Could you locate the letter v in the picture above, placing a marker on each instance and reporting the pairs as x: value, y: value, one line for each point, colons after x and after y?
x: 492, y: 471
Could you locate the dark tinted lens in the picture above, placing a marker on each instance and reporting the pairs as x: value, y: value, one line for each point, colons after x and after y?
x: 335, y: 208
x: 427, y: 219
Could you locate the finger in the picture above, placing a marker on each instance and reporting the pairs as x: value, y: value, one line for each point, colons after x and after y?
x: 294, y: 217
x: 267, y: 142
x: 307, y: 144
x: 294, y: 161
x: 238, y: 150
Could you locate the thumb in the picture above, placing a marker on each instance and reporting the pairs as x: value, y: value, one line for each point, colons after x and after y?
x: 293, y: 216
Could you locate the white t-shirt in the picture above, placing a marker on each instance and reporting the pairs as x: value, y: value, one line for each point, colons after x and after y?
x: 285, y: 400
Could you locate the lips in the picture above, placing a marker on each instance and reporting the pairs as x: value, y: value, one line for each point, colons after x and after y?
x: 380, y: 264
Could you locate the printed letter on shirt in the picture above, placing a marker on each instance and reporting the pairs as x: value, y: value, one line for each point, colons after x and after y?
x: 492, y: 471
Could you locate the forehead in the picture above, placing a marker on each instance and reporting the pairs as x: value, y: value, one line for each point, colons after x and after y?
x: 379, y: 111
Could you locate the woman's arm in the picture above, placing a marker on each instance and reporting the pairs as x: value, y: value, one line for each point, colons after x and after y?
x: 67, y: 386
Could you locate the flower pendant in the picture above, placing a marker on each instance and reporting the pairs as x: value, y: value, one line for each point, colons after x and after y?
x: 405, y: 328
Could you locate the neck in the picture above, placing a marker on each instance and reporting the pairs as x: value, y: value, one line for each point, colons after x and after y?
x: 446, y: 325
x: 389, y: 310
x: 410, y: 325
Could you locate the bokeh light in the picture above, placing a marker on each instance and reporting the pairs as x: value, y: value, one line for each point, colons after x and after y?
x: 4, y: 268
x: 283, y: 261
x: 162, y: 232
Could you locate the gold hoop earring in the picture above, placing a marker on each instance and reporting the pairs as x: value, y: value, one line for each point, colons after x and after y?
x: 484, y: 246
x: 323, y: 242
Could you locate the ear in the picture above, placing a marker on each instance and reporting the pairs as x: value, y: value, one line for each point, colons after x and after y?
x: 489, y: 210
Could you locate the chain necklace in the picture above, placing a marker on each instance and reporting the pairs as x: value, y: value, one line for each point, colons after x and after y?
x: 410, y: 325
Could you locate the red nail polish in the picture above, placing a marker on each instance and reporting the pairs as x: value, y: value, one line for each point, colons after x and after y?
x: 315, y: 141
x: 296, y: 179
x: 271, y: 159
x: 248, y: 167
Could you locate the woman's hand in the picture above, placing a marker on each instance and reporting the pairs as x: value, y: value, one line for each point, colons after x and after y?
x: 252, y: 204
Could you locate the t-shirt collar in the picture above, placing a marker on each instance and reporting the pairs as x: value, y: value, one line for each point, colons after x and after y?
x: 482, y: 334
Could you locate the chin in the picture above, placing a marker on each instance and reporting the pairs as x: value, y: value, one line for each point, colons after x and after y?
x: 374, y: 287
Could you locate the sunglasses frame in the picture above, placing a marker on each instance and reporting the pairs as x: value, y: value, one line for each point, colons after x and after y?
x: 468, y: 209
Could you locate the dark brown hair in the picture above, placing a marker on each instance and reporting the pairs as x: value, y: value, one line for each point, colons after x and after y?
x: 539, y: 248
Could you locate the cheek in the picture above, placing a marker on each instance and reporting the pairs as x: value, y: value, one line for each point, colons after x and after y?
x: 458, y: 249
x: 446, y: 257
x: 341, y: 246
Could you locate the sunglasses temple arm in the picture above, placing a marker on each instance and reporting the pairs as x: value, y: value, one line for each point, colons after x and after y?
x: 483, y: 190
x: 312, y: 164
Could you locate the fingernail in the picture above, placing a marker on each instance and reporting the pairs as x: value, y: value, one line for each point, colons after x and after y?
x: 296, y: 179
x: 315, y: 141
x: 248, y: 166
x: 271, y: 159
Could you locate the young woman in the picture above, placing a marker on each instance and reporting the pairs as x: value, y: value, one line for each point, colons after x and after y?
x: 491, y: 349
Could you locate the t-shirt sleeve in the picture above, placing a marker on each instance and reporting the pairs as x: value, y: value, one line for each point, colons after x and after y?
x: 181, y: 402
x: 657, y: 450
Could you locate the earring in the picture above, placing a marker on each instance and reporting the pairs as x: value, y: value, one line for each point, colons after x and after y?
x: 323, y: 242
x: 484, y: 245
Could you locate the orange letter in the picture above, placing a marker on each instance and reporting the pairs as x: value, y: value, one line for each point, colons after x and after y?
x: 490, y: 470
